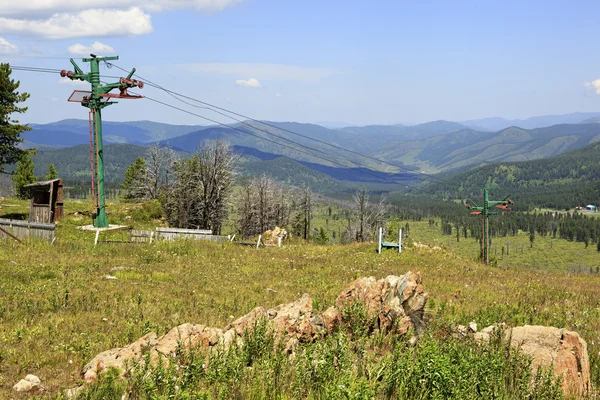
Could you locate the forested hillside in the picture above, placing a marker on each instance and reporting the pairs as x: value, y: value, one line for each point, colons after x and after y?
x: 73, y: 165
x: 564, y: 181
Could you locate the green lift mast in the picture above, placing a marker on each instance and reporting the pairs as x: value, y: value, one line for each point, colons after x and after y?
x: 95, y: 101
x: 485, y: 211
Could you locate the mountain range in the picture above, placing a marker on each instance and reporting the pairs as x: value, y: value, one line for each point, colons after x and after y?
x: 338, y: 159
x: 432, y: 147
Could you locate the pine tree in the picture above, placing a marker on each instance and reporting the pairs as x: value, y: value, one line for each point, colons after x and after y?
x: 24, y: 175
x: 322, y: 237
x: 52, y: 174
x: 10, y: 130
x: 134, y: 180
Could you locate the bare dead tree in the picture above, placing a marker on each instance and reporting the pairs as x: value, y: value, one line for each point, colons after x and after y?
x: 148, y: 177
x: 368, y: 216
x: 263, y: 205
x: 216, y: 173
x: 303, y: 216
x: 201, y: 187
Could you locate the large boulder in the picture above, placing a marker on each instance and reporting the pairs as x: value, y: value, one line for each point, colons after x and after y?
x: 397, y: 302
x: 564, y: 350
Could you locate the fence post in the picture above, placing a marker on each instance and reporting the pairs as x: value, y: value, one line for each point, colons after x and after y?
x: 400, y: 240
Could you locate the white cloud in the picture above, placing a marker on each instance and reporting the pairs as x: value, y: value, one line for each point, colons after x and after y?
x: 278, y: 94
x: 593, y: 85
x: 95, y: 48
x: 46, y: 8
x: 75, y: 82
x: 249, y: 83
x: 7, y: 48
x: 261, y: 71
x: 86, y: 23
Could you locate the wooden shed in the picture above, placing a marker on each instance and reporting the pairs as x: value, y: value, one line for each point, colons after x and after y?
x: 46, y: 201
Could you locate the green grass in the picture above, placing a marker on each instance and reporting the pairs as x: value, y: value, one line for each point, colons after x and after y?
x: 57, y: 309
x: 547, y: 254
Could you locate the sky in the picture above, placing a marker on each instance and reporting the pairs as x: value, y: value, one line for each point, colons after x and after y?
x: 319, y: 61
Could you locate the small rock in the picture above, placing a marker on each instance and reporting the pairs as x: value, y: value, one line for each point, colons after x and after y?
x: 473, y: 326
x: 461, y: 330
x: 271, y: 291
x: 73, y: 393
x: 29, y: 383
x: 110, y: 277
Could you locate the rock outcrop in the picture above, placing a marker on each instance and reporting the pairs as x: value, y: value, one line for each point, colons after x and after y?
x: 398, y: 302
x: 565, y: 351
x: 395, y: 303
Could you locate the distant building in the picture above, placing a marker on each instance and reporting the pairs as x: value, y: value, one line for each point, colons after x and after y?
x: 590, y: 207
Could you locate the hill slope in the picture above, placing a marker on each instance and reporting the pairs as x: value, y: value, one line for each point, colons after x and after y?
x: 564, y: 181
x: 70, y: 132
x: 468, y: 147
x: 72, y: 163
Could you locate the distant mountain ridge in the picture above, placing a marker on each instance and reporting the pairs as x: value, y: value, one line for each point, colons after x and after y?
x: 495, y: 124
x: 430, y: 147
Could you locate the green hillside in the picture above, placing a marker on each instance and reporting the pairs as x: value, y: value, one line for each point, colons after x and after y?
x: 73, y: 164
x: 564, y: 181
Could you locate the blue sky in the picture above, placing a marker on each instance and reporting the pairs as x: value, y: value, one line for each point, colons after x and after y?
x: 354, y: 62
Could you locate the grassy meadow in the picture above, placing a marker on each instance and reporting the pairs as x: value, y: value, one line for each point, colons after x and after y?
x: 58, y: 310
x: 547, y: 254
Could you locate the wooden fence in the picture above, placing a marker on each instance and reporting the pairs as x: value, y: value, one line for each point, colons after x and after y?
x: 196, y: 234
x: 25, y: 229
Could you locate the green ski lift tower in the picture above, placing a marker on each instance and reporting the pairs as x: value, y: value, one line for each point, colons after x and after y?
x: 485, y: 211
x: 95, y: 100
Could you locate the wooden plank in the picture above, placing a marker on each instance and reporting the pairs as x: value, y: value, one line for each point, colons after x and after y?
x: 140, y: 236
x: 184, y: 230
x: 195, y: 234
